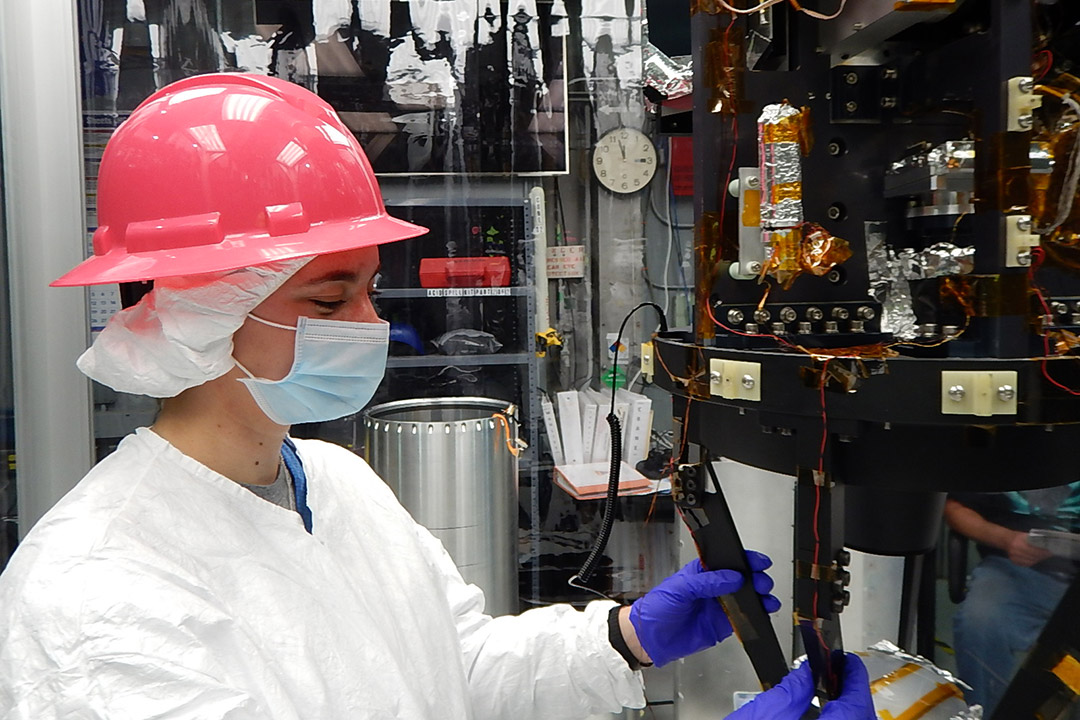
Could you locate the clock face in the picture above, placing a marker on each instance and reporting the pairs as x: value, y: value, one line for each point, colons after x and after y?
x: 624, y: 160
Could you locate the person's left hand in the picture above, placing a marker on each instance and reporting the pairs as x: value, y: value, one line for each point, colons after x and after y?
x: 681, y: 615
x: 787, y: 701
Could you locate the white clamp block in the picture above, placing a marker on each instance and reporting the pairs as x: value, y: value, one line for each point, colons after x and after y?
x: 978, y: 392
x: 1022, y: 102
x: 647, y: 361
x: 735, y: 380
x: 1019, y: 239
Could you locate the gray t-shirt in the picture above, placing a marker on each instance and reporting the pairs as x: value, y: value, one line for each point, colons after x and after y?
x: 280, y: 492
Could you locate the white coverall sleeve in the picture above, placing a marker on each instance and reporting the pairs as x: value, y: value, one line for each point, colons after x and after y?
x: 551, y: 662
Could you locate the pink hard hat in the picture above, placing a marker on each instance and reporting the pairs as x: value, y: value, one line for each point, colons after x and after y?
x: 224, y: 171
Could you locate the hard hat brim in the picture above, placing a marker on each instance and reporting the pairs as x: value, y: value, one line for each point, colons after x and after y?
x: 238, y: 251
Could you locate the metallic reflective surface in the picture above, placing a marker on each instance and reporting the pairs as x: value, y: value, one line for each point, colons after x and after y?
x: 450, y: 463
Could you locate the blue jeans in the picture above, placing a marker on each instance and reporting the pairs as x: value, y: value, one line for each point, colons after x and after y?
x: 997, y: 624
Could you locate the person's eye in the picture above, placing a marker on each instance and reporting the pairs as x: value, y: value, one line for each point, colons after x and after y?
x: 327, y: 304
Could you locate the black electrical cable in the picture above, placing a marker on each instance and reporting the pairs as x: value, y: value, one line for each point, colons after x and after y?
x: 589, y: 566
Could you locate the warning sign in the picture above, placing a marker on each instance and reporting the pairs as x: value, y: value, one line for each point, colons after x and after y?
x: 566, y: 261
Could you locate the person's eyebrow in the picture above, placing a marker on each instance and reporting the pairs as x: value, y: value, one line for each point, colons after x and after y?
x: 335, y: 276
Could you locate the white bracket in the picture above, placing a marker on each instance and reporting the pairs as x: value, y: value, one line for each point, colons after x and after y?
x: 1022, y: 102
x: 1019, y: 239
x: 978, y: 392
x: 647, y: 361
x: 735, y: 380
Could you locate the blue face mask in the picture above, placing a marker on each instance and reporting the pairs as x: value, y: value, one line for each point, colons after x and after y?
x: 336, y: 368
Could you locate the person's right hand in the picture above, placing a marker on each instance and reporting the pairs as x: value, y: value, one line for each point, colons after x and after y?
x: 1023, y: 553
x: 855, y: 701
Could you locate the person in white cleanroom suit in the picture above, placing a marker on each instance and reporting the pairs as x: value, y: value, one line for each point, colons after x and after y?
x: 213, y: 568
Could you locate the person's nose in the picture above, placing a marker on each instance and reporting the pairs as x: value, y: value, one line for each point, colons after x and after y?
x: 363, y: 311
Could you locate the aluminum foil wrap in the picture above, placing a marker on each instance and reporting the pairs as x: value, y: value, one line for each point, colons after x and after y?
x: 951, y: 155
x: 780, y: 142
x: 889, y: 284
x: 671, y: 77
x: 782, y: 250
x: 938, y: 260
x: 945, y: 701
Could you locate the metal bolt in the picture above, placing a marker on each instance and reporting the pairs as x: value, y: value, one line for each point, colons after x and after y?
x: 1006, y: 393
x: 1026, y: 121
x: 835, y: 149
x: 1059, y: 307
x: 805, y: 328
x: 957, y: 393
x: 1023, y: 258
x: 865, y: 312
x: 748, y: 382
x: 751, y: 328
x: 890, y: 74
x: 834, y: 212
x: 788, y: 314
x: 928, y: 330
x: 1075, y: 319
x: 753, y: 182
x: 857, y: 26
x: 1026, y: 85
x: 831, y: 328
x: 951, y: 330
x: 1024, y: 223
x: 762, y: 315
x: 851, y: 106
x: 888, y: 101
x: 753, y: 267
x: 813, y: 314
x: 857, y: 326
x: 716, y: 376
x: 851, y: 78
x: 778, y: 328
x: 735, y: 316
x: 840, y: 313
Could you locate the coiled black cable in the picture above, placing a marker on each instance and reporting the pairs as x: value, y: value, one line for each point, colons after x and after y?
x: 589, y: 566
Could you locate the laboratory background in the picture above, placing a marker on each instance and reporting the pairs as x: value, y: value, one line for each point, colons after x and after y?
x: 701, y: 275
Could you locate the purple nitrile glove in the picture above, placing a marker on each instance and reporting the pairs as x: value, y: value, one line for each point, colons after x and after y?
x: 855, y: 701
x: 681, y: 615
x: 787, y: 701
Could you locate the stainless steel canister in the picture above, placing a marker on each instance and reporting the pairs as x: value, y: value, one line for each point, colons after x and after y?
x: 453, y: 463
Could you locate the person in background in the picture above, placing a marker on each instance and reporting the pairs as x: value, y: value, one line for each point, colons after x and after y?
x: 213, y: 567
x: 1016, y: 586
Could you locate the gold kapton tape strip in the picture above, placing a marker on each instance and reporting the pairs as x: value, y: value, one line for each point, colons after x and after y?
x: 1068, y: 672
x: 785, y: 191
x: 814, y: 572
x: 751, y: 214
x: 885, y: 680
x: 925, y: 704
x: 783, y: 130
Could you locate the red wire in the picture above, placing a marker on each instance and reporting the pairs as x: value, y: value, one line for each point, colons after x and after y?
x: 1049, y: 64
x: 1037, y: 257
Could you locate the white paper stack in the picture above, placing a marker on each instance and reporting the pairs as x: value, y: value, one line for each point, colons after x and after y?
x: 581, y: 440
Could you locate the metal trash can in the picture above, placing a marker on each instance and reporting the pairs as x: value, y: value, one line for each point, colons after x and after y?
x: 453, y: 463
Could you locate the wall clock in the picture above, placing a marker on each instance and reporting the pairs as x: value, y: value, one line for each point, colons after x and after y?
x: 624, y: 160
